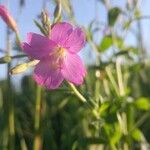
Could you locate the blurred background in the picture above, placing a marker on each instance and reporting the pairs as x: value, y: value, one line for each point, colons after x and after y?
x: 117, y: 86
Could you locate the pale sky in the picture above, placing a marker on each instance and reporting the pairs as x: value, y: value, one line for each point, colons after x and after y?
x: 85, y: 11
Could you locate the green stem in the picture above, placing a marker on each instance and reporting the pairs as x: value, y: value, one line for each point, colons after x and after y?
x: 97, y: 91
x: 19, y: 56
x: 7, y: 58
x: 11, y: 118
x: 130, y: 124
x: 120, y: 78
x: 90, y: 103
x: 37, y: 139
x: 112, y: 80
x: 11, y: 124
x: 77, y: 93
x: 18, y: 41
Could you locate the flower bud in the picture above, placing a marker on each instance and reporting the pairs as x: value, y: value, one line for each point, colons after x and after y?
x: 5, y: 59
x: 6, y: 16
x: 19, y: 68
x: 23, y: 67
x: 46, y: 22
x: 32, y: 63
x: 45, y: 18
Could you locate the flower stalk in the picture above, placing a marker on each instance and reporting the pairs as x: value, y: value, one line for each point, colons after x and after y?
x: 57, y: 12
x: 37, y: 145
x: 77, y: 93
x: 18, y: 40
x: 11, y: 116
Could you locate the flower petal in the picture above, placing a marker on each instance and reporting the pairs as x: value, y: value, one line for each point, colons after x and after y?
x: 46, y: 75
x: 75, y: 41
x: 38, y: 46
x: 60, y: 32
x: 73, y: 69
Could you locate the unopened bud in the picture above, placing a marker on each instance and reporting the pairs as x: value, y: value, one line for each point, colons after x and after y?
x: 6, y: 16
x: 5, y: 59
x: 19, y: 68
x: 46, y: 21
x: 45, y: 17
x: 32, y: 63
x: 23, y: 67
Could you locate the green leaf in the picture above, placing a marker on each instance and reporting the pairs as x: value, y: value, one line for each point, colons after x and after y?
x: 137, y: 135
x: 104, y: 107
x: 142, y: 103
x: 115, y: 138
x: 40, y: 27
x: 113, y: 15
x: 105, y: 43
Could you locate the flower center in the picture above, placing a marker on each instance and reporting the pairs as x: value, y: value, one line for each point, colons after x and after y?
x: 60, y: 52
x: 57, y: 56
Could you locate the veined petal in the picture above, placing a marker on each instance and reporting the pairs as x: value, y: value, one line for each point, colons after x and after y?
x: 73, y: 69
x: 47, y: 76
x: 38, y: 46
x: 75, y: 41
x: 60, y: 32
x: 35, y: 39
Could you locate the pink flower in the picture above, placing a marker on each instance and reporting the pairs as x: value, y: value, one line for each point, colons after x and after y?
x: 58, y: 55
x: 4, y: 13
